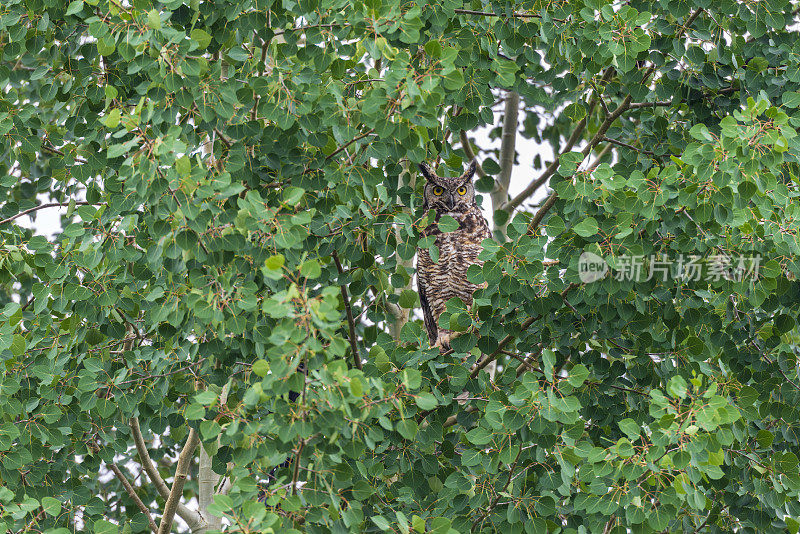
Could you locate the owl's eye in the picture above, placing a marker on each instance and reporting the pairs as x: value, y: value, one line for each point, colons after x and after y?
x: 462, y: 190
x: 438, y: 191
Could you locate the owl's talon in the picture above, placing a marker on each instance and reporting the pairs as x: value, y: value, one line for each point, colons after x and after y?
x: 443, y: 338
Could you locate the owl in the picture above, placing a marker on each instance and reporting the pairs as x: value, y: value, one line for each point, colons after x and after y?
x: 439, y: 281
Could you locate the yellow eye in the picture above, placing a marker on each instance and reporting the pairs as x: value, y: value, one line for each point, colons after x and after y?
x: 438, y: 191
x: 462, y: 190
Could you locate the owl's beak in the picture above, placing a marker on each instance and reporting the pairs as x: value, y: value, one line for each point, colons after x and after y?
x: 451, y: 202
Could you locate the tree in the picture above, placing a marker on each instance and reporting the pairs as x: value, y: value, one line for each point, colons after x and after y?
x: 221, y: 331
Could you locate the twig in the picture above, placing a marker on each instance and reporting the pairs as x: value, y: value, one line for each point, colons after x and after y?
x: 349, y: 312
x: 453, y: 419
x: 257, y: 99
x: 523, y: 361
x: 637, y: 105
x: 44, y: 206
x: 610, y: 524
x: 225, y: 141
x: 708, y: 517
x: 168, y: 373
x: 132, y: 493
x: 529, y: 359
x: 510, y: 337
x: 599, y: 157
x: 537, y: 218
x: 489, y: 14
x: 626, y: 145
x: 181, y: 472
x: 506, y: 340
x: 497, y: 497
x: 54, y: 150
x: 347, y: 144
x: 296, y: 473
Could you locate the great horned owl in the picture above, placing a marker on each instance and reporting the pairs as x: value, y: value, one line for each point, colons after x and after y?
x: 440, y: 281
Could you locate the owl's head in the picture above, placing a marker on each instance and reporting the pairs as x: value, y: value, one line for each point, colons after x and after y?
x: 448, y: 194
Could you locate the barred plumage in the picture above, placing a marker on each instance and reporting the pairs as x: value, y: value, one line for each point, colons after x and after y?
x: 440, y: 281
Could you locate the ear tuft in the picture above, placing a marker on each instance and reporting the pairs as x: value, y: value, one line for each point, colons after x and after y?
x: 470, y: 172
x: 426, y: 171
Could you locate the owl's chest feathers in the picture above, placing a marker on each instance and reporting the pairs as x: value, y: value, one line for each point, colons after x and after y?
x: 470, y: 223
x: 459, y: 249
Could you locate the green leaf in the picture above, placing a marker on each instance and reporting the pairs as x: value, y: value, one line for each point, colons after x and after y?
x: 407, y: 428
x: 747, y: 396
x: 105, y: 527
x: 356, y: 388
x: 154, y: 19
x: 184, y: 166
x: 275, y: 262
x: 447, y: 224
x: 112, y: 119
x: 75, y: 7
x: 587, y: 227
x: 201, y: 37
x: 51, y: 506
x: 433, y: 48
x: 381, y: 522
x: 408, y: 299
x: 412, y: 378
x: 677, y: 387
x: 440, y: 525
x: 292, y: 195
x: 426, y: 401
x: 630, y: 428
x: 311, y: 269
x: 206, y: 398
x: 555, y: 226
x: 578, y: 374
x: 260, y: 367
x: 574, y: 112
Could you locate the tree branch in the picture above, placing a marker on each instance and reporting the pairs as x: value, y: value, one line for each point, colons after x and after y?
x: 508, y: 152
x: 349, y: 312
x: 510, y: 337
x: 551, y: 169
x: 638, y: 105
x: 601, y: 132
x: 497, y: 497
x: 207, y: 479
x: 599, y: 157
x: 489, y: 14
x: 54, y: 150
x: 192, y: 518
x: 132, y: 493
x: 347, y: 144
x: 44, y: 206
x: 296, y: 471
x: 181, y: 472
x: 409, y: 178
x: 626, y: 145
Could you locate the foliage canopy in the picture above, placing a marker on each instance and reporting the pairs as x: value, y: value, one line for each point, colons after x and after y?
x: 238, y: 194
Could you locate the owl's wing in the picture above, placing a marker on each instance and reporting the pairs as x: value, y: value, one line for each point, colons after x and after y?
x: 427, y: 315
